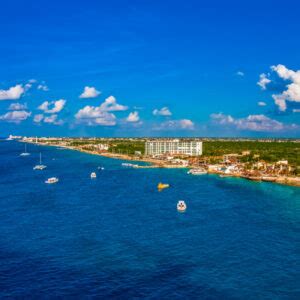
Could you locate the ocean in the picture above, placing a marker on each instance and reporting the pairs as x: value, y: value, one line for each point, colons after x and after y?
x: 117, y: 237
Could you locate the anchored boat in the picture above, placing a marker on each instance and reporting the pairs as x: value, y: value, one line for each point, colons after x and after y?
x: 129, y: 165
x: 51, y: 180
x: 198, y: 171
x: 40, y: 166
x: 25, y: 153
x: 181, y: 206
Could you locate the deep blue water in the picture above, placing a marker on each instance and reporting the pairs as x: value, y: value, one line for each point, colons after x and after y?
x: 117, y: 237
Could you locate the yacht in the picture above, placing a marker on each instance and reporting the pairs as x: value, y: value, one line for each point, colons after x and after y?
x: 40, y: 166
x: 52, y: 180
x: 25, y: 153
x: 198, y: 171
x: 93, y: 175
x: 181, y: 206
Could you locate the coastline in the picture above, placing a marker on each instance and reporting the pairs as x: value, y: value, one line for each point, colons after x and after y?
x: 155, y: 163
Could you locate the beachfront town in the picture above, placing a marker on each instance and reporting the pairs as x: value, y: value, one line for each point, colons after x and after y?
x: 258, y: 160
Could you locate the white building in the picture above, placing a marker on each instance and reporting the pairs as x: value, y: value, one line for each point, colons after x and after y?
x: 102, y: 147
x: 173, y: 147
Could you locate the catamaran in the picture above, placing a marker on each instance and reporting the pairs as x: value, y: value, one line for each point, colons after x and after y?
x: 25, y: 153
x: 40, y: 166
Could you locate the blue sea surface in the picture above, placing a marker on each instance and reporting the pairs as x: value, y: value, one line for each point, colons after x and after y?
x: 117, y: 237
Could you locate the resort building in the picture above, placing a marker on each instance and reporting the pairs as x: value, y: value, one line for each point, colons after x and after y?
x: 173, y: 147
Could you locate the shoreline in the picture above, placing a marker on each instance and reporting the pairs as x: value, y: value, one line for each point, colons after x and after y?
x: 283, y: 180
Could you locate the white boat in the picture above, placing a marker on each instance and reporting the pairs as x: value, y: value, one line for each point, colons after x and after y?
x: 40, y: 166
x: 25, y: 153
x: 93, y: 175
x: 181, y: 206
x: 198, y: 171
x: 129, y: 165
x: 51, y: 180
x: 100, y: 168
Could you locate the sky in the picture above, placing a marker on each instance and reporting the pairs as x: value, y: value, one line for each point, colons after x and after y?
x: 150, y: 68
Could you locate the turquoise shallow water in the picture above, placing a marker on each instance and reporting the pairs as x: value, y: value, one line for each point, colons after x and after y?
x: 117, y: 237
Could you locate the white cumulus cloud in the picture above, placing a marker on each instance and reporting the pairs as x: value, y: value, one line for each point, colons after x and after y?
x: 38, y: 118
x: 53, y: 106
x: 17, y: 106
x: 133, y: 117
x: 89, y: 92
x: 13, y: 93
x: 292, y: 92
x: 102, y: 114
x: 16, y: 116
x: 53, y: 119
x: 162, y: 112
x: 260, y: 123
x: 184, y: 124
x: 43, y: 87
x: 261, y: 103
x: 49, y: 119
x: 92, y: 115
x: 110, y: 104
x: 263, y: 81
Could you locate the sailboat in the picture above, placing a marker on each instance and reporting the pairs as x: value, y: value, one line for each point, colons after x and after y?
x: 40, y: 166
x: 25, y: 153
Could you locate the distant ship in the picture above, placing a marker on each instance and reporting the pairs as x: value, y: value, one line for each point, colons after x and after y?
x: 93, y: 175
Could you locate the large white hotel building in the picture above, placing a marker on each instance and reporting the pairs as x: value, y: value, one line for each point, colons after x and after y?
x: 173, y: 147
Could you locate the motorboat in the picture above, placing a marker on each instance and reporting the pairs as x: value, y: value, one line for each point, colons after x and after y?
x: 52, y: 180
x: 40, y: 166
x: 100, y: 168
x: 93, y: 175
x: 162, y: 186
x: 181, y: 206
x: 198, y: 171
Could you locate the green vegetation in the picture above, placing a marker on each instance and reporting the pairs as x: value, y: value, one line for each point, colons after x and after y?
x: 267, y: 151
x: 126, y: 147
x: 116, y: 145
